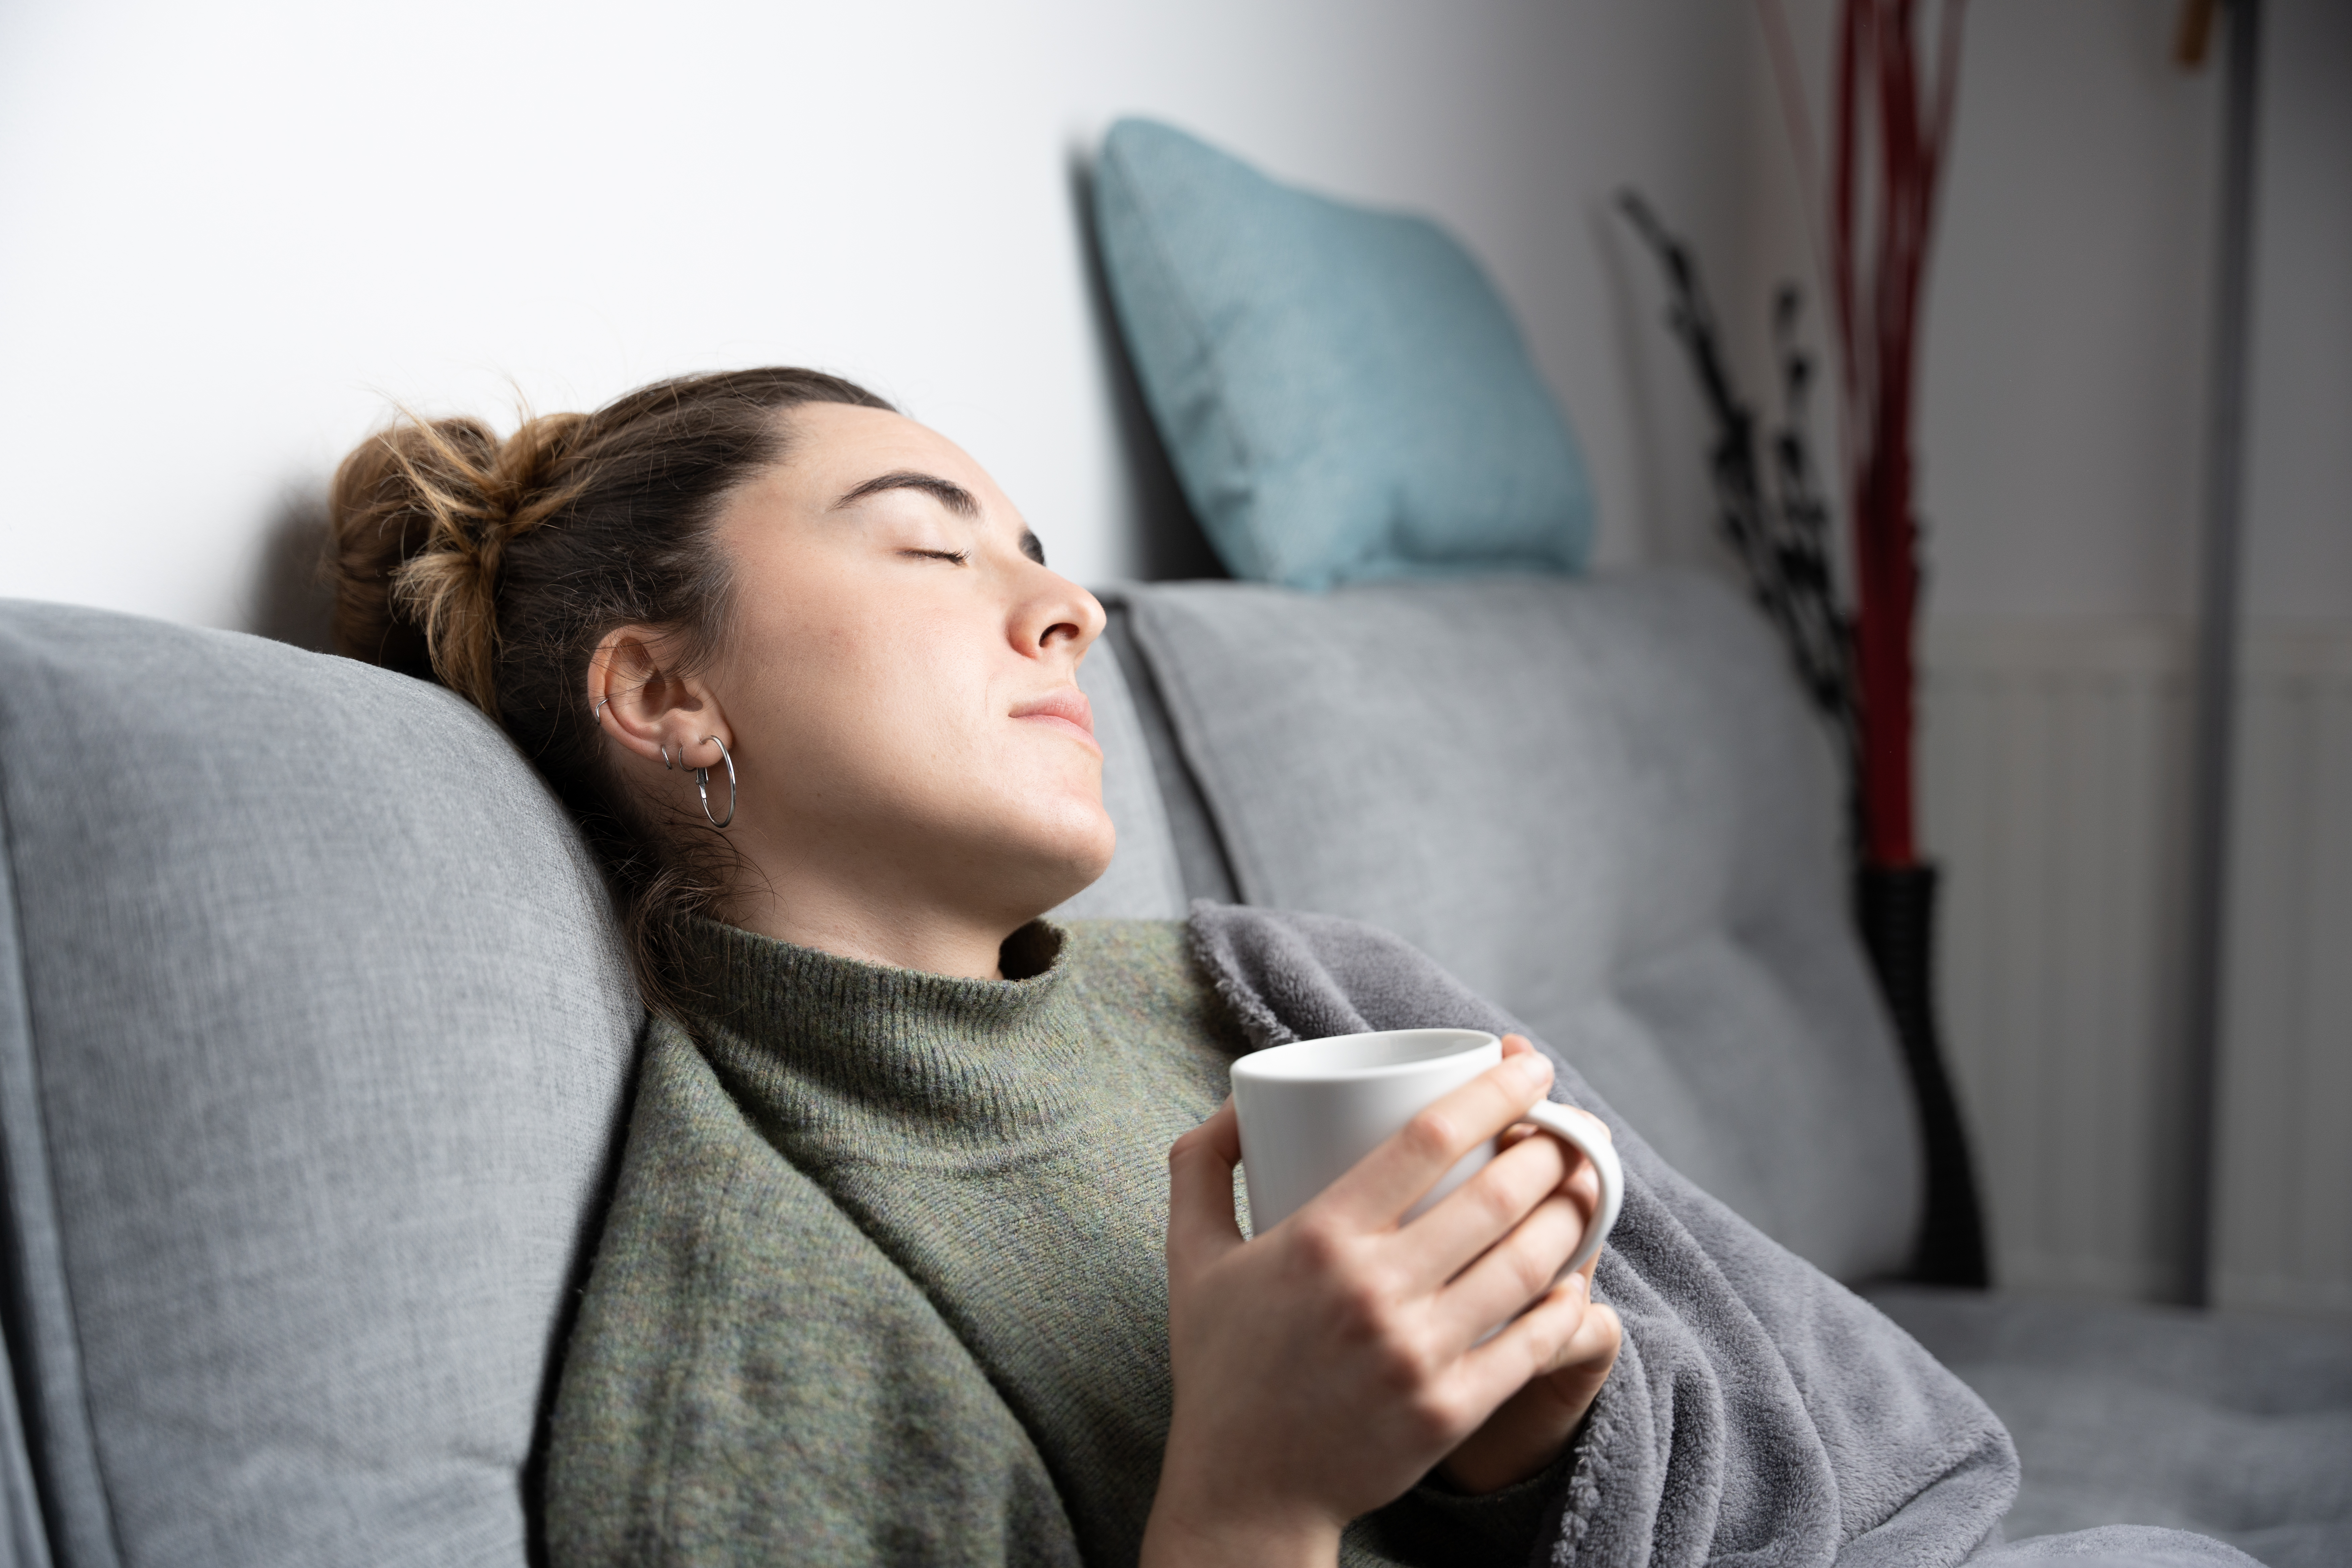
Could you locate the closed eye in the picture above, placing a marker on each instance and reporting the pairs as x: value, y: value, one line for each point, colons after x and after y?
x: 958, y: 556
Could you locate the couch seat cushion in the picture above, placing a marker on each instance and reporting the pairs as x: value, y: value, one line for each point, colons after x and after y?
x: 2232, y: 1425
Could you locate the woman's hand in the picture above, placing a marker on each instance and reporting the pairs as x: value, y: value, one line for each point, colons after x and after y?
x: 1325, y: 1367
x: 1533, y: 1426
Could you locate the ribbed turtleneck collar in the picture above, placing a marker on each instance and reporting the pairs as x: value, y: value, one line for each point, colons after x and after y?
x: 974, y: 1058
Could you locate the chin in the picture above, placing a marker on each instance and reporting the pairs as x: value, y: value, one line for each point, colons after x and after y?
x: 1061, y: 858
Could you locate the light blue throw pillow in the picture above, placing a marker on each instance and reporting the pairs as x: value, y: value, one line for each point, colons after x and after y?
x: 1344, y: 395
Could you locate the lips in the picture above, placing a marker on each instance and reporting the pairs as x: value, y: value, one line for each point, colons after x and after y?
x: 1063, y: 708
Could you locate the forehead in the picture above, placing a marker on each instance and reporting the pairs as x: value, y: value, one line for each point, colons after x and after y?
x: 833, y: 446
x: 833, y: 450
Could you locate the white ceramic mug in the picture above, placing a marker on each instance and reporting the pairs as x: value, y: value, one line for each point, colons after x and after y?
x: 1310, y: 1110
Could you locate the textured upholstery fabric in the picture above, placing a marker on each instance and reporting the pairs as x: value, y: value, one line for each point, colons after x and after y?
x: 323, y: 1044
x: 30, y: 1254
x: 2235, y: 1426
x: 1601, y: 803
x: 1144, y: 882
x: 1343, y: 394
x: 1199, y: 853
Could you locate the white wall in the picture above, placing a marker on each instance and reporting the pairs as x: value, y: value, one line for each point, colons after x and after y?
x: 2065, y: 410
x: 2064, y: 369
x: 230, y: 234
x: 2063, y: 436
x: 2063, y: 396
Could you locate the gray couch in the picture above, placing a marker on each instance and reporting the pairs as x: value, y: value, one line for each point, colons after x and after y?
x: 314, y: 1040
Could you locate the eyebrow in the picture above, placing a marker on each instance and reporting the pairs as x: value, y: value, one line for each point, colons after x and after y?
x: 949, y: 493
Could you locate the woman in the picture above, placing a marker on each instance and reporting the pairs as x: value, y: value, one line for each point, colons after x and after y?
x: 896, y: 1269
x: 885, y: 1270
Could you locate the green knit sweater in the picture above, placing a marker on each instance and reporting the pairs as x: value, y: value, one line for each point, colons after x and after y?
x: 883, y: 1280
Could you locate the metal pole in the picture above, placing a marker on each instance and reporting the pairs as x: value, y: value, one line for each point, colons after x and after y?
x: 2217, y: 652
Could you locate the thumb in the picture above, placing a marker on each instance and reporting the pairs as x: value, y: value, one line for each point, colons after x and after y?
x: 1201, y: 1224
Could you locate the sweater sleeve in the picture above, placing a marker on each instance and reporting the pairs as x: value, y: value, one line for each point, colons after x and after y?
x: 1433, y: 1526
x: 753, y: 1381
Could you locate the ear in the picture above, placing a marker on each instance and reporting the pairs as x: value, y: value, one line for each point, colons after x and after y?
x: 646, y: 707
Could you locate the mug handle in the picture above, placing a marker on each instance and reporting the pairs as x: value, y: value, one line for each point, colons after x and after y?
x: 1574, y: 1129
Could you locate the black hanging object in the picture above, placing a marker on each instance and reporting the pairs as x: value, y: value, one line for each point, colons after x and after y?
x: 1780, y: 534
x: 1895, y: 907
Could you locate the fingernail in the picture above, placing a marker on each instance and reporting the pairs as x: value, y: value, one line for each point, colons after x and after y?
x: 1533, y: 1068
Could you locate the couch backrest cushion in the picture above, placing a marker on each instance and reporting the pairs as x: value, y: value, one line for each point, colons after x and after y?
x: 1144, y: 881
x: 1602, y: 802
x: 1342, y: 392
x: 314, y: 1035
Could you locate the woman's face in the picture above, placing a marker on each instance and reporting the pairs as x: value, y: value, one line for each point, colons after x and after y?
x: 898, y: 673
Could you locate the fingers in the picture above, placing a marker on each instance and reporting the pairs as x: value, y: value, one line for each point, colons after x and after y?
x: 1393, y: 1177
x: 1583, y: 1184
x: 1201, y: 1224
x: 1598, y: 1336
x: 1532, y: 1426
x: 1489, y: 1206
x: 1519, y: 1270
x: 1566, y: 1338
x: 1497, y: 1242
x: 1483, y: 1210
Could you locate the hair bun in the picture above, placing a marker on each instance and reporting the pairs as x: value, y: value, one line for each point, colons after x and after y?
x: 422, y: 513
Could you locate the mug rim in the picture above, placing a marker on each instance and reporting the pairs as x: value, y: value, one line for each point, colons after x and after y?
x: 1271, y: 1064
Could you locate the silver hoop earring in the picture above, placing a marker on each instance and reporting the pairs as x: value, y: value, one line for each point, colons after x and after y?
x: 702, y: 784
x: 668, y: 766
x: 596, y: 715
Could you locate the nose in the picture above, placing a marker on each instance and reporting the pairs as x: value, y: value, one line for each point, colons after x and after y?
x: 1056, y: 618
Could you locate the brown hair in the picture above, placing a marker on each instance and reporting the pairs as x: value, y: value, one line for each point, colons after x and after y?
x: 497, y: 566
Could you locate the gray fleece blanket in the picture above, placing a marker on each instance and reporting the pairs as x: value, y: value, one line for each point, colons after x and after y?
x: 1759, y: 1414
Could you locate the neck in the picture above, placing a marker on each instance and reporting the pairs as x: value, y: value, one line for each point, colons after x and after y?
x: 874, y: 918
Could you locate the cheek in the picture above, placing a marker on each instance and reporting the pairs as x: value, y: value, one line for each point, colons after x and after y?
x: 861, y: 705
x: 886, y: 716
